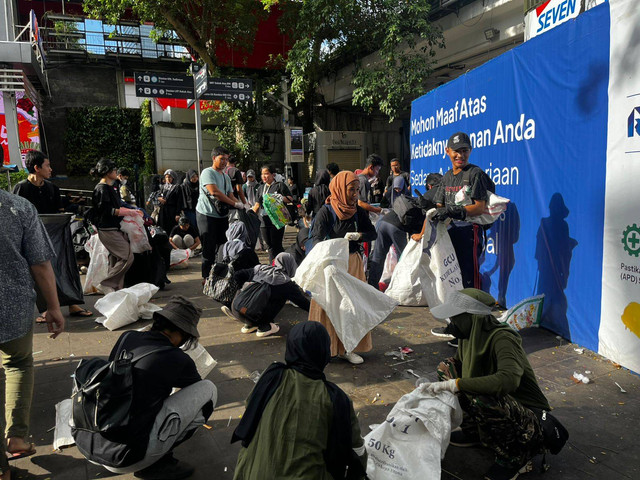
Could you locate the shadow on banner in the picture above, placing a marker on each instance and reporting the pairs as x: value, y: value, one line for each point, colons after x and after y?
x: 554, y: 249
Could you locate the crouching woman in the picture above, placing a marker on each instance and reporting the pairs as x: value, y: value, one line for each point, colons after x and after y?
x: 297, y: 424
x: 158, y: 420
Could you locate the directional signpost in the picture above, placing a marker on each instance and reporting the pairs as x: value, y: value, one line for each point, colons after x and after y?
x: 194, y: 87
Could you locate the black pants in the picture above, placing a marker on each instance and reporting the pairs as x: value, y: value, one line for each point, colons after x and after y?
x: 272, y: 237
x: 468, y: 242
x: 212, y: 235
x: 388, y: 236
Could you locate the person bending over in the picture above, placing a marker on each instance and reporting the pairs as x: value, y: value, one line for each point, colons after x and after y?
x: 184, y: 235
x: 297, y: 424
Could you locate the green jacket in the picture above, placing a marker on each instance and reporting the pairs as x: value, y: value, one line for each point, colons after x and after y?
x: 293, y: 434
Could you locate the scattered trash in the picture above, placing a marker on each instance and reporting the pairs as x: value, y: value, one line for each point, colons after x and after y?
x: 400, y: 363
x: 387, y: 376
x: 579, y: 351
x: 225, y: 469
x: 254, y: 376
x: 36, y: 353
x: 587, y: 372
x: 375, y: 398
x: 62, y: 436
x: 578, y: 377
x: 406, y: 350
x: 229, y: 422
x: 51, y: 429
x: 72, y: 355
x: 395, y: 354
x: 208, y: 427
x: 622, y: 390
x: 413, y: 373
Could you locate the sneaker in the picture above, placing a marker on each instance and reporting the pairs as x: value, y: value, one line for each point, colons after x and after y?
x: 227, y: 311
x: 499, y: 472
x: 440, y: 332
x: 166, y: 469
x: 453, y: 343
x: 352, y: 358
x: 273, y: 329
x: 460, y: 438
x: 248, y: 328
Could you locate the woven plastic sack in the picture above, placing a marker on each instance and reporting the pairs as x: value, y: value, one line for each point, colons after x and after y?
x: 98, y: 266
x: 412, y: 441
x: 134, y: 228
x: 390, y: 262
x: 126, y: 306
x: 276, y: 210
x: 179, y: 258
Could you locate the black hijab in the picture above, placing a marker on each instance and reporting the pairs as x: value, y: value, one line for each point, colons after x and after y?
x: 189, y: 191
x: 308, y: 352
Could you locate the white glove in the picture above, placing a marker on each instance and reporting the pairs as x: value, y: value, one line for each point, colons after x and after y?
x: 437, y: 387
x: 239, y: 205
x: 353, y: 236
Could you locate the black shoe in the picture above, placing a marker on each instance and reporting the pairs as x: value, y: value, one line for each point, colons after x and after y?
x: 440, y: 332
x: 463, y: 439
x: 453, y: 343
x: 499, y: 472
x: 167, y: 281
x: 167, y: 468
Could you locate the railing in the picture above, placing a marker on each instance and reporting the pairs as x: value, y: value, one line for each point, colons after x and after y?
x: 77, y: 36
x: 531, y: 4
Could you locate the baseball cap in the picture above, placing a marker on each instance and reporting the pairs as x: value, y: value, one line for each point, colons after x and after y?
x: 469, y: 300
x: 459, y: 140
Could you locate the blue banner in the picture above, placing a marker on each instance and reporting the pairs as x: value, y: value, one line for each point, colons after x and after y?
x: 537, y: 118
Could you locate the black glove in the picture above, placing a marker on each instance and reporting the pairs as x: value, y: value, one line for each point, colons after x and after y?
x: 441, y: 214
x: 457, y: 212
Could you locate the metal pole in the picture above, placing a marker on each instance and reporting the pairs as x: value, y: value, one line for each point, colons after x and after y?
x: 199, y: 136
x: 11, y: 119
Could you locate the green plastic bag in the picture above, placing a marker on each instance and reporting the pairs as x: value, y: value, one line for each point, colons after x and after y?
x: 276, y: 210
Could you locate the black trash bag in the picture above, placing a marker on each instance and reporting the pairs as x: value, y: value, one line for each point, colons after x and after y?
x: 64, y: 264
x: 151, y: 266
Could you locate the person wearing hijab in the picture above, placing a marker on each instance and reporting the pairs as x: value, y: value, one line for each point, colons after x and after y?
x: 237, y: 250
x: 297, y: 424
x: 189, y: 193
x: 282, y: 289
x: 297, y: 250
x: 343, y: 218
x: 496, y: 386
x: 169, y: 200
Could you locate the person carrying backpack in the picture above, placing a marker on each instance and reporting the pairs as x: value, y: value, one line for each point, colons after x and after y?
x: 155, y: 422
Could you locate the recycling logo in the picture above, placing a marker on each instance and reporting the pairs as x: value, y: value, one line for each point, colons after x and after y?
x: 631, y: 240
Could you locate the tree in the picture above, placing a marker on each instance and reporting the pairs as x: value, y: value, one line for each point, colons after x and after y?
x: 330, y: 34
x: 203, y: 24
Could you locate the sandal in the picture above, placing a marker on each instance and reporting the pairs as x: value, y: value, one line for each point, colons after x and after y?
x: 81, y: 313
x: 22, y: 453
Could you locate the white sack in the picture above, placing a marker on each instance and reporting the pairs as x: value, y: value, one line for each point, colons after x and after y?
x: 412, y: 441
x: 134, y: 228
x: 62, y: 435
x: 390, y: 262
x: 125, y: 306
x: 427, y: 270
x: 353, y: 306
x: 495, y: 206
x: 179, y: 258
x: 204, y: 362
x: 98, y: 265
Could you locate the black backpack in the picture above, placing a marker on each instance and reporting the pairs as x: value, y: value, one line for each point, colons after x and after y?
x: 103, y: 391
x: 409, y: 210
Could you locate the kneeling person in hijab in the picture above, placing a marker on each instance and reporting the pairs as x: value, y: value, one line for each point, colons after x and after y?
x: 297, y: 424
x: 159, y: 421
x: 282, y: 289
x: 498, y: 390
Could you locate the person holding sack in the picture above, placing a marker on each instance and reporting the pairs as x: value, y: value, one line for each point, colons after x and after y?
x: 212, y: 210
x: 297, y: 424
x: 259, y: 302
x: 107, y: 214
x: 158, y: 421
x: 271, y: 235
x: 504, y: 408
x: 343, y: 218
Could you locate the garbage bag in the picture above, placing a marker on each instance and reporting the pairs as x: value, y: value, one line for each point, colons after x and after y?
x: 427, y: 270
x: 126, y: 306
x: 353, y: 306
x: 98, y: 265
x: 412, y: 441
x: 180, y: 258
x: 138, y: 238
x: 62, y: 435
x: 390, y: 262
x: 64, y: 264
